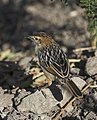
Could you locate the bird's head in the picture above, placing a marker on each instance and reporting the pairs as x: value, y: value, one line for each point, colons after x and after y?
x: 41, y: 39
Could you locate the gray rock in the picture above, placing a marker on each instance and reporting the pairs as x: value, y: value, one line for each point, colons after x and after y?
x: 96, y: 53
x: 23, y: 62
x: 91, y: 66
x: 15, y: 115
x: 91, y: 116
x: 37, y: 103
x: 67, y: 94
x: 5, y: 99
x: 75, y: 71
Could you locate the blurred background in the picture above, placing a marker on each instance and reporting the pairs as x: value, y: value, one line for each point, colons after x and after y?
x: 71, y: 23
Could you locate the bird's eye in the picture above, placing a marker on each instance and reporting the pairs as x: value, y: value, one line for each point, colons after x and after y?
x: 36, y: 38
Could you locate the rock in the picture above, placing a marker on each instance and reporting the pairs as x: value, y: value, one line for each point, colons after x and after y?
x: 37, y: 103
x: 91, y: 66
x: 44, y: 117
x: 16, y: 115
x: 79, y: 82
x: 75, y: 71
x: 67, y: 94
x: 95, y: 95
x: 91, y: 116
x: 5, y: 99
x: 24, y: 62
x: 96, y: 53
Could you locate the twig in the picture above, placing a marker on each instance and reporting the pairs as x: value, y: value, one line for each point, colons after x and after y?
x: 57, y: 115
x: 83, y: 49
x: 74, y: 60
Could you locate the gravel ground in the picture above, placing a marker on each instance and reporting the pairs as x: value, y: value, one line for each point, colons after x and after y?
x: 21, y: 99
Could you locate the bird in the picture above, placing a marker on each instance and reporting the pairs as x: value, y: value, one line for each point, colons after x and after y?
x: 53, y: 61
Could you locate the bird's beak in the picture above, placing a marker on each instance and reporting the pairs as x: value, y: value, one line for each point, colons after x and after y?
x: 31, y: 38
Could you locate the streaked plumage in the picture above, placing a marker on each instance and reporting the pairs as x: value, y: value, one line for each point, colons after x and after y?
x: 52, y: 56
x: 53, y: 60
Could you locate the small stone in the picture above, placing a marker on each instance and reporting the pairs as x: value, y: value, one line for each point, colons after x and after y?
x: 96, y: 53
x: 45, y: 117
x: 79, y: 82
x: 24, y: 62
x: 75, y: 71
x: 5, y: 99
x: 91, y: 116
x: 91, y: 66
x: 95, y: 95
x: 69, y: 108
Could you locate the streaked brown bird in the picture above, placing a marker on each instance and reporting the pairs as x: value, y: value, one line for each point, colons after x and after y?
x: 53, y: 61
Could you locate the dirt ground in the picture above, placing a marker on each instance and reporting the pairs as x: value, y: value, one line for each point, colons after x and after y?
x: 20, y: 98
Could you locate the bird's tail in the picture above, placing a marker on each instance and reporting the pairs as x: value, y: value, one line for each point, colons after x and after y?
x: 73, y: 88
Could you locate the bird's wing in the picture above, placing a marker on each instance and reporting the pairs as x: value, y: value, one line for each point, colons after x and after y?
x: 60, y: 65
x: 54, y: 61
